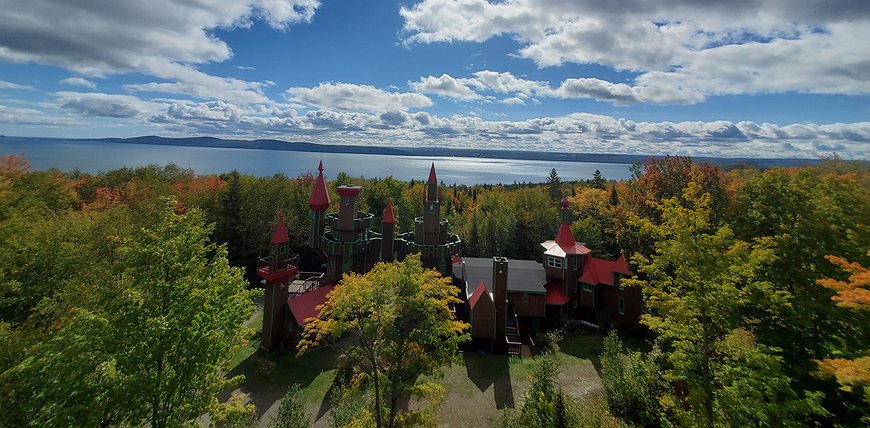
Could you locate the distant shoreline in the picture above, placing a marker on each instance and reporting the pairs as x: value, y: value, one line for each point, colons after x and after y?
x: 297, y: 146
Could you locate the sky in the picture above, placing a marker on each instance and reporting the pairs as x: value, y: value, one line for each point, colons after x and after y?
x: 735, y: 78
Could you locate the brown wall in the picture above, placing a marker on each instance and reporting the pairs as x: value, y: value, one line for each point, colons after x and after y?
x: 483, y: 319
x: 535, y: 307
x: 607, y: 305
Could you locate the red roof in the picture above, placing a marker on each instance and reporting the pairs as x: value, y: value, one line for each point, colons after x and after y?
x: 388, y: 213
x: 280, y: 235
x: 432, y: 178
x: 555, y: 295
x: 479, y: 291
x: 565, y: 238
x: 348, y: 190
x: 319, y: 196
x: 600, y: 271
x: 305, y: 305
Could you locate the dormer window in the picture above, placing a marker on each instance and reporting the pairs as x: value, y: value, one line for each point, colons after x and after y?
x: 555, y: 262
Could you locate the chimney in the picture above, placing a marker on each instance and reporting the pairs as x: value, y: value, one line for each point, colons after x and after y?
x: 499, y: 291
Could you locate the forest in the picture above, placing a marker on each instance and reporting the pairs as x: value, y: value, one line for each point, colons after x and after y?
x: 123, y: 294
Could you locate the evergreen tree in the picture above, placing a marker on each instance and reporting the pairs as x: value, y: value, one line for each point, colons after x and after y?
x: 554, y: 186
x: 598, y: 181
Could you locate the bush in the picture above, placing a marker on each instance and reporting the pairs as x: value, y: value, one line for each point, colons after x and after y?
x: 631, y: 382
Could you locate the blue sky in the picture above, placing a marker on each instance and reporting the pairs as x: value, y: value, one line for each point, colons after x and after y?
x: 724, y: 78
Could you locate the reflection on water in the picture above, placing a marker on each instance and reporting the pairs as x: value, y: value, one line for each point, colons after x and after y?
x: 93, y: 156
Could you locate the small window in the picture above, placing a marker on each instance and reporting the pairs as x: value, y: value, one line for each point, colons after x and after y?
x: 525, y: 297
x: 621, y: 306
x: 554, y: 262
x: 575, y: 287
x: 575, y: 304
x: 588, y: 288
x: 431, y: 208
x: 346, y: 201
x: 283, y: 250
x: 274, y: 251
x: 575, y: 263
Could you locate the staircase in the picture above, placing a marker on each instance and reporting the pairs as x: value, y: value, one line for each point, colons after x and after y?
x: 512, y: 333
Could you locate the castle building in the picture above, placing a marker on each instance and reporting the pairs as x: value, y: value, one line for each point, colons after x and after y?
x: 503, y: 300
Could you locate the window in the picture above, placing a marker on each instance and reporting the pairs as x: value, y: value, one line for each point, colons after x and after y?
x: 621, y: 306
x: 525, y: 297
x: 575, y: 287
x: 346, y: 201
x: 588, y: 288
x: 575, y: 263
x: 554, y: 262
x: 274, y: 251
x: 575, y: 304
x: 282, y: 250
x: 431, y: 208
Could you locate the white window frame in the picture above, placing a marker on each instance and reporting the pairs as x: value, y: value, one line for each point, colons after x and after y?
x: 555, y: 262
x: 588, y: 288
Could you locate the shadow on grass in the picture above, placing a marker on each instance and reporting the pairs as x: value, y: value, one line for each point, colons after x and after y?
x: 268, y: 375
x: 491, y: 370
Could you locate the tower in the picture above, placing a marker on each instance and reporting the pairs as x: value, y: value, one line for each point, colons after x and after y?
x: 277, y: 270
x: 318, y: 202
x: 431, y: 238
x: 431, y: 210
x: 388, y: 237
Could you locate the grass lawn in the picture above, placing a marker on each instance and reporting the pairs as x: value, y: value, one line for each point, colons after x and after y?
x: 479, y: 386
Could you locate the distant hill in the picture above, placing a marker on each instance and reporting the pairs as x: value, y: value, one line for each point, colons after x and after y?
x: 414, y: 151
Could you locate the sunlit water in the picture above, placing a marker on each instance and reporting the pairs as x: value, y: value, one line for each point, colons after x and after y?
x: 95, y: 156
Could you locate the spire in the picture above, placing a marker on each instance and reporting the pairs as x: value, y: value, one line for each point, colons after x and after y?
x: 565, y: 238
x: 319, y: 200
x: 280, y: 235
x: 432, y: 178
x: 388, y: 213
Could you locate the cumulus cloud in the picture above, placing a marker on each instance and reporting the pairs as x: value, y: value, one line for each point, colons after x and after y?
x: 348, y: 96
x: 444, y: 86
x: 79, y: 81
x: 160, y: 38
x: 682, y: 51
x: 106, y: 105
x: 9, y: 85
x: 25, y: 116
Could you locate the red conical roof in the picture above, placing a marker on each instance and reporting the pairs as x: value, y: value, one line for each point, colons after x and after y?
x: 388, y: 212
x: 319, y: 200
x: 280, y: 235
x: 565, y: 238
x: 432, y: 177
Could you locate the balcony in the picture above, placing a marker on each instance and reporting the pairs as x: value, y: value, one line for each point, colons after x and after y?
x: 277, y: 270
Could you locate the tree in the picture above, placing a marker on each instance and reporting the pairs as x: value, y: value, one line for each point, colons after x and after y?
x: 598, y: 181
x: 291, y: 412
x: 401, y: 317
x: 632, y: 383
x: 149, y: 343
x: 704, y: 290
x: 554, y: 186
x: 853, y: 294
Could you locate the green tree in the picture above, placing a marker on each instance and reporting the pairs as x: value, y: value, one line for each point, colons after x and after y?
x: 291, y: 412
x: 598, y: 181
x: 150, y: 343
x: 400, y: 313
x: 632, y: 383
x: 704, y: 290
x: 554, y: 186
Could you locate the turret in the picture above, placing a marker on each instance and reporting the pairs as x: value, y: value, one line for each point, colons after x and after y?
x: 388, y: 238
x: 431, y: 211
x: 277, y: 270
x: 279, y: 246
x: 318, y: 202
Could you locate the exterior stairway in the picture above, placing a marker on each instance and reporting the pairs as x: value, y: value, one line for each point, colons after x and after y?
x: 512, y: 333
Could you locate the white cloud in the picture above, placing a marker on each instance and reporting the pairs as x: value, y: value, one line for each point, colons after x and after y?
x: 79, y: 81
x: 160, y: 38
x: 506, y: 82
x: 683, y: 51
x: 348, y: 96
x: 9, y: 85
x: 97, y: 104
x: 25, y: 116
x: 445, y: 86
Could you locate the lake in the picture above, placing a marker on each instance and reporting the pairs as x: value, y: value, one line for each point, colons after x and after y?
x: 97, y: 156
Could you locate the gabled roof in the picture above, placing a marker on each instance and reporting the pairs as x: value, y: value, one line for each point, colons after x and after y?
x: 280, y: 235
x: 432, y: 177
x: 388, y: 213
x: 319, y: 200
x: 551, y: 248
x: 600, y: 271
x: 524, y: 276
x: 555, y: 295
x: 478, y: 292
x: 305, y: 305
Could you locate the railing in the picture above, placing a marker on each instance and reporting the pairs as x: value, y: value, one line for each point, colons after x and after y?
x: 310, y: 281
x: 363, y: 220
x: 266, y: 264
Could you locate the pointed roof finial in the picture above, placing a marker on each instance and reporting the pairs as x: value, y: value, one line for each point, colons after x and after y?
x: 319, y: 200
x: 565, y: 202
x: 389, y: 217
x: 280, y: 235
x: 432, y: 177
